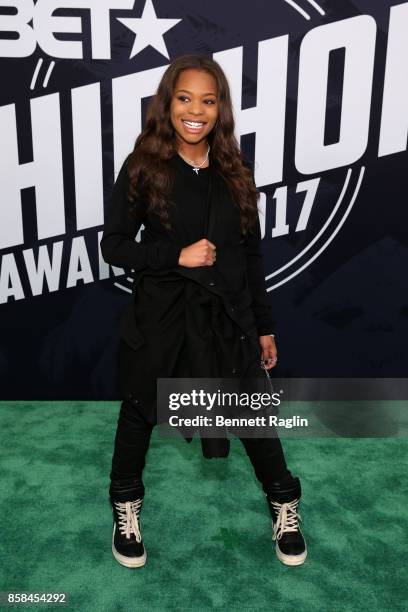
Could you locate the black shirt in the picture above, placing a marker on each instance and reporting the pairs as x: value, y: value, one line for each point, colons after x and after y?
x: 238, y: 273
x: 192, y: 199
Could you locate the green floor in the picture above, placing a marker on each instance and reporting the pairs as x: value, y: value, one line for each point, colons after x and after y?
x: 205, y: 523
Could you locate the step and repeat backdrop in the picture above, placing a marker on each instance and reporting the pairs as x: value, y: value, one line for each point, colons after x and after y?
x: 320, y: 94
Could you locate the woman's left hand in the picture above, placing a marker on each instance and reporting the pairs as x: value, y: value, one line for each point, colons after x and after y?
x: 269, y: 352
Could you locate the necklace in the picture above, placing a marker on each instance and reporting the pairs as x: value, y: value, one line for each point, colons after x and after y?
x: 191, y: 162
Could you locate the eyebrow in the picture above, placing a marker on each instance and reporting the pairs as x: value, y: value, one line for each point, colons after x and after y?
x: 209, y: 93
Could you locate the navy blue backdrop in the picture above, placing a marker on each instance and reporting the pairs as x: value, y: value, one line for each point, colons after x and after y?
x: 328, y: 85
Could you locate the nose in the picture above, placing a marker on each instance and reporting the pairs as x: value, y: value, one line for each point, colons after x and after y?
x: 195, y: 108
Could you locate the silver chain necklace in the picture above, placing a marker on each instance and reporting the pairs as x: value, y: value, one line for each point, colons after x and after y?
x: 191, y: 162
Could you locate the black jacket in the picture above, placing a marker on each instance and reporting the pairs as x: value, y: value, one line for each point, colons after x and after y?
x: 186, y: 322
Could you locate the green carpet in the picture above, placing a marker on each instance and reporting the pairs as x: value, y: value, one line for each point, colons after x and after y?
x: 205, y: 523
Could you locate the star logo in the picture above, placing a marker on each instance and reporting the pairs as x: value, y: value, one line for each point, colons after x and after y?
x: 149, y: 30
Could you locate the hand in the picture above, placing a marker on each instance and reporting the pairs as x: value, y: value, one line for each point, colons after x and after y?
x: 269, y: 351
x: 201, y: 253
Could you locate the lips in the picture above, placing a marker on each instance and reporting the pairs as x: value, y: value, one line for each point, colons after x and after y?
x: 193, y: 127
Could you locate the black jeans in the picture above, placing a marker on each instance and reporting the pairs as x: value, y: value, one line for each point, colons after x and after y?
x: 132, y: 443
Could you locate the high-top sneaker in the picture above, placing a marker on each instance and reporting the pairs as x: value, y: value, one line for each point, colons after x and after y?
x: 127, y: 543
x: 283, y: 499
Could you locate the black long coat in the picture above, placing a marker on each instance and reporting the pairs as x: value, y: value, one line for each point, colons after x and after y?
x: 201, y: 322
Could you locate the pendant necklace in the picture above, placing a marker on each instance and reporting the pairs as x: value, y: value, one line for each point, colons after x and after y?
x: 191, y: 162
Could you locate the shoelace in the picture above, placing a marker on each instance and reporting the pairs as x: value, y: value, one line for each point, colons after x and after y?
x: 287, y: 519
x: 128, y: 513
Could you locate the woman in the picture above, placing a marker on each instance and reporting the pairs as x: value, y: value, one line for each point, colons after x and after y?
x: 200, y: 307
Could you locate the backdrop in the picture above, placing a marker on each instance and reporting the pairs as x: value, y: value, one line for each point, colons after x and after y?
x: 320, y: 93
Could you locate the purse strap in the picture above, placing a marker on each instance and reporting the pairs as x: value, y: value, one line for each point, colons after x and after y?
x: 268, y: 376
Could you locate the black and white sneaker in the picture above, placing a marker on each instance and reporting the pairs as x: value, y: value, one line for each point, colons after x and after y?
x: 283, y: 505
x: 127, y: 543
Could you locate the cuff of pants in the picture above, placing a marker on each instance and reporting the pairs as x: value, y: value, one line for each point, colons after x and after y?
x: 126, y: 490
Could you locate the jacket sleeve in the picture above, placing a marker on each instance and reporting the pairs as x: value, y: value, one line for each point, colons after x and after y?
x: 261, y: 307
x: 118, y: 244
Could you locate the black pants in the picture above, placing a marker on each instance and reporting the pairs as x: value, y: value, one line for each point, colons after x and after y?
x: 132, y: 443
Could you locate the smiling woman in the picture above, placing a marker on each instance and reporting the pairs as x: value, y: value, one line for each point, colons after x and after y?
x: 201, y: 309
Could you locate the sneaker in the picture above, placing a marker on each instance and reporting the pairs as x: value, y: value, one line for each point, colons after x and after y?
x: 290, y: 544
x: 127, y: 543
x: 283, y: 499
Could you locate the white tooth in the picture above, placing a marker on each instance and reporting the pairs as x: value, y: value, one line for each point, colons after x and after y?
x: 193, y: 123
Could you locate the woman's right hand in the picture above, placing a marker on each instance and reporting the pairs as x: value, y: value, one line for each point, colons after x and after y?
x: 201, y: 253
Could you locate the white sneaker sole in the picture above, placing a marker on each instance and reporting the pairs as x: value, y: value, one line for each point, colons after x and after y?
x: 290, y: 559
x: 128, y: 561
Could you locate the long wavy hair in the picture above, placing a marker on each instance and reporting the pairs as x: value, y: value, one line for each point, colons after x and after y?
x: 156, y: 144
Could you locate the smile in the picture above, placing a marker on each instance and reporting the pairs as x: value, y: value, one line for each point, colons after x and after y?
x: 193, y: 126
